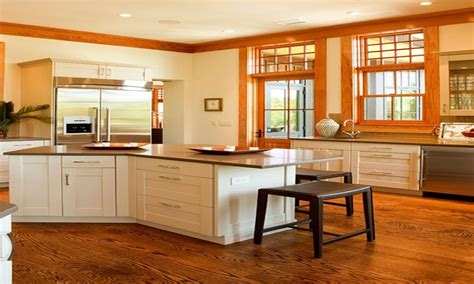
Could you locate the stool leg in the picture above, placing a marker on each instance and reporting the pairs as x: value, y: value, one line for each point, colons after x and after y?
x: 260, y: 217
x: 316, y: 213
x: 369, y: 215
x: 349, y: 199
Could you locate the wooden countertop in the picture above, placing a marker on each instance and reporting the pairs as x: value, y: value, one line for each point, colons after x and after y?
x: 7, y: 209
x: 268, y: 159
x: 22, y: 138
x: 423, y: 141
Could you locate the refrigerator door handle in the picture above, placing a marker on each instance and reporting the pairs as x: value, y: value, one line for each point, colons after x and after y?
x: 107, y: 121
x: 97, y: 124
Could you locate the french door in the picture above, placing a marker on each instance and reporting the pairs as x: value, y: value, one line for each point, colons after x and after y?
x: 285, y: 110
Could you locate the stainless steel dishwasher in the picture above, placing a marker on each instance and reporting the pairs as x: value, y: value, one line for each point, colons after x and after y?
x: 447, y: 169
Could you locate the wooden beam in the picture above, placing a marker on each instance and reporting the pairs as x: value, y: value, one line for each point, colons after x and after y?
x: 347, y: 78
x: 2, y: 70
x: 320, y: 87
x: 90, y: 37
x: 432, y: 92
x: 398, y: 23
x: 243, y: 98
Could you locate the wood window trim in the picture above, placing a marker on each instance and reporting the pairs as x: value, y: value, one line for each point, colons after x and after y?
x: 2, y: 69
x: 349, y: 90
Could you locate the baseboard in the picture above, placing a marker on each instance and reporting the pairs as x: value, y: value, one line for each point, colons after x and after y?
x: 51, y: 219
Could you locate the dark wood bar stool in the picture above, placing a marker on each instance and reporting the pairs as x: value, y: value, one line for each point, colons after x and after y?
x: 316, y: 193
x: 312, y: 175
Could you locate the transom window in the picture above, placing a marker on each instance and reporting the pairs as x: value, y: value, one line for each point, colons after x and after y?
x: 392, y: 77
x: 285, y: 58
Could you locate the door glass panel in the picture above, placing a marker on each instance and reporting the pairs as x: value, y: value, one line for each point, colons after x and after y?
x: 275, y: 94
x: 275, y: 124
x: 301, y: 123
x: 301, y: 94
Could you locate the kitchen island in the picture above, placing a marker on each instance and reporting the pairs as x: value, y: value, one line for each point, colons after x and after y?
x: 211, y: 197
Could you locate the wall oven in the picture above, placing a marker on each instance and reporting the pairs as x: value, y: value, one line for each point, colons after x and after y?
x: 447, y: 169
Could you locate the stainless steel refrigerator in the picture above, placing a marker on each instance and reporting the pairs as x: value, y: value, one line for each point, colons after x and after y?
x: 99, y: 110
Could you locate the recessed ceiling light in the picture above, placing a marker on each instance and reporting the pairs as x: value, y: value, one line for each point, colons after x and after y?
x: 463, y: 67
x: 169, y: 22
x: 353, y: 13
x: 425, y: 3
x: 125, y: 15
x: 228, y: 31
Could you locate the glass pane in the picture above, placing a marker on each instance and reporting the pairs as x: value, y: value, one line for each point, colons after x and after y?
x: 386, y: 61
x: 283, y: 51
x: 417, y: 59
x: 310, y: 56
x: 298, y: 66
x: 373, y: 40
x: 267, y: 52
x: 388, y: 54
x: 297, y: 49
x: 417, y: 36
x: 388, y: 39
x: 403, y: 52
x: 301, y: 94
x: 416, y: 44
x: 283, y: 59
x: 380, y: 83
x: 275, y: 94
x: 402, y: 45
x: 301, y: 123
x: 403, y: 60
x: 310, y: 48
x: 417, y: 51
x: 297, y: 58
x: 402, y: 37
x: 283, y: 67
x: 373, y: 62
x: 378, y: 108
x: 373, y: 48
x: 275, y: 124
x: 374, y: 55
x: 407, y: 108
x: 410, y: 82
x: 269, y: 68
x: 389, y: 46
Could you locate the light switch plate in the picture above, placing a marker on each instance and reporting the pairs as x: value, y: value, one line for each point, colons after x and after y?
x: 239, y: 180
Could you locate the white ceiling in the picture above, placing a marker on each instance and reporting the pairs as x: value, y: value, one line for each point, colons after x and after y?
x: 204, y: 20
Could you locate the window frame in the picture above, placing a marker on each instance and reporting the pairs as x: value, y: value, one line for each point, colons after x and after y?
x: 362, y: 76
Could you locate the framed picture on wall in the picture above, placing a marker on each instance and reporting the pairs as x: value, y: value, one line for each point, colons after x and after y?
x: 213, y: 104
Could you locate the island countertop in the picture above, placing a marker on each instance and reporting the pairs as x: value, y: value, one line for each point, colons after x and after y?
x: 7, y: 209
x: 268, y: 159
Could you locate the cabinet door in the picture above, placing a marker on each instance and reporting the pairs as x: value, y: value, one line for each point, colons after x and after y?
x: 89, y: 191
x: 13, y: 146
x: 125, y: 73
x: 35, y: 185
x: 78, y: 70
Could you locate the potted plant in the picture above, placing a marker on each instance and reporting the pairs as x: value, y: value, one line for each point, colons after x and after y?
x: 8, y: 116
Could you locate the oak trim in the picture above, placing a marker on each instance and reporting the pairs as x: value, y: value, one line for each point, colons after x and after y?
x: 283, y: 74
x: 432, y: 90
x: 347, y: 78
x: 243, y: 139
x: 90, y: 37
x: 398, y: 23
x: 320, y: 83
x: 2, y: 69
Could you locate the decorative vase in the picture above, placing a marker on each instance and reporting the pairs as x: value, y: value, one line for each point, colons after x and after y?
x: 327, y: 127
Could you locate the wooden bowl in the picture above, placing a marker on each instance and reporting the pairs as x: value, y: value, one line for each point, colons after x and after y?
x: 469, y: 134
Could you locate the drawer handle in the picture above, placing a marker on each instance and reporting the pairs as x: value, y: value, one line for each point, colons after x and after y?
x: 382, y: 155
x: 170, y: 178
x: 170, y: 205
x: 86, y: 162
x: 382, y: 148
x: 169, y: 167
x: 380, y: 173
x: 21, y: 145
x: 67, y: 179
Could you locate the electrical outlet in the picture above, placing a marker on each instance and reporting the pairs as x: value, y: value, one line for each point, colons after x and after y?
x: 239, y: 180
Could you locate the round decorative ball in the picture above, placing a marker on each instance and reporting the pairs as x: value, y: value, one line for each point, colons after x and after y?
x: 327, y: 127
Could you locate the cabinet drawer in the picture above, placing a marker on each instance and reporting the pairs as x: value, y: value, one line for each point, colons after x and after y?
x: 193, y: 190
x: 389, y: 178
x: 385, y: 148
x: 390, y: 161
x: 175, y: 167
x: 89, y: 161
x: 18, y: 145
x: 180, y: 215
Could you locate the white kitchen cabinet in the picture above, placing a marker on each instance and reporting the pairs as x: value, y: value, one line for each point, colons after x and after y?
x: 88, y: 185
x: 101, y: 71
x: 8, y: 146
x: 35, y: 185
x: 6, y: 249
x: 386, y: 165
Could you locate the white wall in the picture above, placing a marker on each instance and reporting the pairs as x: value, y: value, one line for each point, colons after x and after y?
x: 166, y: 66
x: 456, y: 37
x: 215, y: 75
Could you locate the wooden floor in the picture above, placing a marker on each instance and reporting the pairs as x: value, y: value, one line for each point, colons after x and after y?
x: 418, y: 239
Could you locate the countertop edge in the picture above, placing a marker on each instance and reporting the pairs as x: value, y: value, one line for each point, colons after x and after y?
x: 7, y: 209
x: 384, y: 141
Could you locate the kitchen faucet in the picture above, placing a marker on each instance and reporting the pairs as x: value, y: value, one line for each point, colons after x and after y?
x: 353, y: 134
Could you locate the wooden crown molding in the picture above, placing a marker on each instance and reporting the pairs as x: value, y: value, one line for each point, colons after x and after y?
x: 407, y: 22
x: 90, y: 37
x: 398, y: 23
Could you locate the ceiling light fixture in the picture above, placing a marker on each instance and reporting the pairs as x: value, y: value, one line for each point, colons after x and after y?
x: 228, y: 31
x: 169, y: 22
x: 463, y: 67
x: 125, y: 15
x: 292, y: 22
x: 353, y: 13
x: 425, y: 3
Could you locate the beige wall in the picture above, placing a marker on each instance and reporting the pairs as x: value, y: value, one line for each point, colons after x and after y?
x: 456, y: 37
x: 216, y: 75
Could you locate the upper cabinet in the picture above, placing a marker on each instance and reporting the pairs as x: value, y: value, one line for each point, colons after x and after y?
x: 101, y: 71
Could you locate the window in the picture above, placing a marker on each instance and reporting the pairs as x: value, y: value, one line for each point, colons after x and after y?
x: 284, y: 58
x: 289, y: 108
x: 393, y: 77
